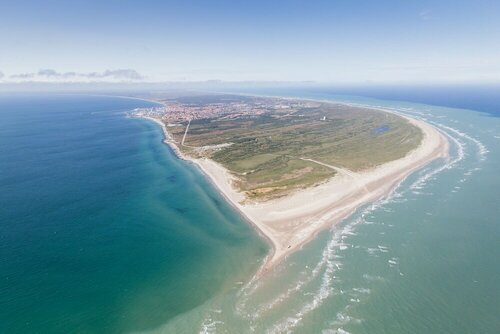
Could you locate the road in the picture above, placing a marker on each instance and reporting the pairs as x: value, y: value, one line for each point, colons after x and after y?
x: 342, y: 171
x: 185, y: 133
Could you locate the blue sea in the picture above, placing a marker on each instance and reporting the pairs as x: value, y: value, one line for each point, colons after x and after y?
x: 104, y: 230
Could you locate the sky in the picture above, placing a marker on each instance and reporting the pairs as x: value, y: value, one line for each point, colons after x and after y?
x: 337, y: 41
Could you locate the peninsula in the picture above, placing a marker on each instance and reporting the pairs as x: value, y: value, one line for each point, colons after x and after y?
x: 295, y: 167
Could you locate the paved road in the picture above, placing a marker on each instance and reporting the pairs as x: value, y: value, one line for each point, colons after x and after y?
x: 185, y: 133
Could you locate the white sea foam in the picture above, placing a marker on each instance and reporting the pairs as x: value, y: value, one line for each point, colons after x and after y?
x: 482, y: 150
x: 341, y: 319
x: 451, y: 162
x: 393, y: 262
x: 248, y: 289
x: 372, y: 278
x: 372, y: 251
x: 308, y: 277
x: 209, y: 326
x: 384, y: 249
x: 325, y: 290
x: 329, y: 263
x: 335, y: 331
x: 362, y: 290
x: 457, y: 137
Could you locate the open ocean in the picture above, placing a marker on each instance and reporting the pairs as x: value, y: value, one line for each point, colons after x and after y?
x: 104, y: 230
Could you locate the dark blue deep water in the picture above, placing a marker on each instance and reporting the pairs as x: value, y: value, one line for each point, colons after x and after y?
x: 102, y: 229
x: 483, y: 98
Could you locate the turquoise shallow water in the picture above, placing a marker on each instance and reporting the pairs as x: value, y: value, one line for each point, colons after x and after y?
x: 103, y: 230
x: 425, y: 259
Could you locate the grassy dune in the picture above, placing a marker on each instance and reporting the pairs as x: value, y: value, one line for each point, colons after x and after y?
x: 265, y: 151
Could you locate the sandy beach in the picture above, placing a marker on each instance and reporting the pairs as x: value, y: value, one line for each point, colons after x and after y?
x: 291, y: 221
x: 168, y: 139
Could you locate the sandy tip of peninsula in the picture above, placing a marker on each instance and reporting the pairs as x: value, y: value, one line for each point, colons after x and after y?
x: 291, y: 221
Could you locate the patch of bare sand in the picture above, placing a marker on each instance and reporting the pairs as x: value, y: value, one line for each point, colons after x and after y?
x: 291, y: 221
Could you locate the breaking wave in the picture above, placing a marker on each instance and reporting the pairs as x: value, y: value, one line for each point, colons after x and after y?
x: 324, y: 271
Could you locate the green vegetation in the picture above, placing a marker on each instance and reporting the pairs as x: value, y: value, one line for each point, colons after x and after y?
x: 266, y: 148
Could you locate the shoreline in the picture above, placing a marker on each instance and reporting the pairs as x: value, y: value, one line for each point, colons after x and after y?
x: 167, y: 139
x: 290, y: 222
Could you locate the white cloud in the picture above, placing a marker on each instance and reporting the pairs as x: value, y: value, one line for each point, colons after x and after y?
x: 50, y: 75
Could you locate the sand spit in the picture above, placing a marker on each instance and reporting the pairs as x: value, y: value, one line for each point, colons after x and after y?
x: 291, y: 221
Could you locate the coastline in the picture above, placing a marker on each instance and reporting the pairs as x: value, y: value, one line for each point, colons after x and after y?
x: 225, y: 190
x: 167, y: 139
x: 290, y: 222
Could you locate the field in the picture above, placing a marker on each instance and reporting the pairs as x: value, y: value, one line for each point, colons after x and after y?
x: 264, y: 141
